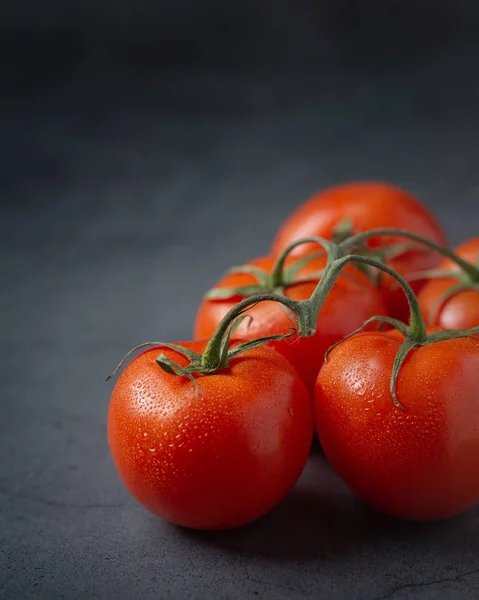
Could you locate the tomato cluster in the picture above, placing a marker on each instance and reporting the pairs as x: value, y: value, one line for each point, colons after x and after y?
x: 213, y: 433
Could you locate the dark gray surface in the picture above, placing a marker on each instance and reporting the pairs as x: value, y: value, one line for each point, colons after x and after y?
x: 123, y: 198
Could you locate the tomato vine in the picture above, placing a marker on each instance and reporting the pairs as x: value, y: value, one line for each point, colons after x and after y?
x: 218, y: 353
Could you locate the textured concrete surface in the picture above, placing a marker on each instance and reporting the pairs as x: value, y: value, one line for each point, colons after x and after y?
x: 123, y: 198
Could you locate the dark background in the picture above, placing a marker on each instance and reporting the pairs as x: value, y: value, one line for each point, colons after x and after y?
x: 144, y: 148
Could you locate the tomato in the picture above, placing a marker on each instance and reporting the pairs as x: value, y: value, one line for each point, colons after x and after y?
x: 461, y: 310
x: 352, y: 300
x: 369, y: 205
x: 215, y: 460
x: 420, y: 463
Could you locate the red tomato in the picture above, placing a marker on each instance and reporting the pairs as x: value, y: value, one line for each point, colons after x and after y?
x: 213, y: 461
x: 459, y: 311
x: 421, y: 463
x: 368, y: 205
x: 351, y: 301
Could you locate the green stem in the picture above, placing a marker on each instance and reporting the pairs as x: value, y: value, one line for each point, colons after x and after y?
x: 417, y: 326
x: 211, y: 358
x: 467, y: 267
x: 212, y: 354
x: 277, y: 276
x: 216, y: 354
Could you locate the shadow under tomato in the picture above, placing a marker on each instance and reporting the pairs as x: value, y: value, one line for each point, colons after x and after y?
x: 319, y: 518
x: 316, y: 448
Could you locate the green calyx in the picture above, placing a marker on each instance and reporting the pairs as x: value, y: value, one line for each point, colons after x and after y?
x: 217, y: 354
x: 409, y: 344
x: 274, y: 282
x: 401, y: 355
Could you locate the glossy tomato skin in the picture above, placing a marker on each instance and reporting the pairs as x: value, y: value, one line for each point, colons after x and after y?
x: 214, y: 461
x: 460, y: 311
x: 352, y: 300
x: 368, y: 205
x: 421, y: 463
